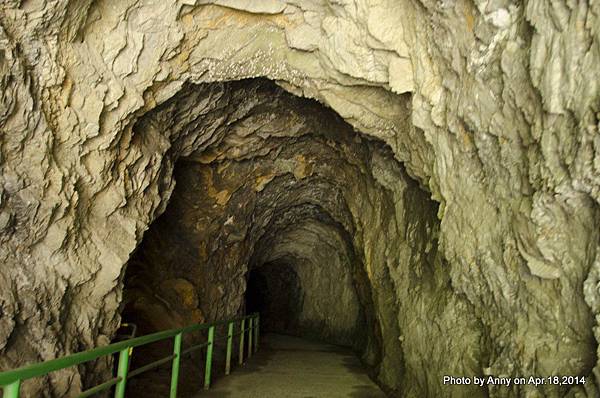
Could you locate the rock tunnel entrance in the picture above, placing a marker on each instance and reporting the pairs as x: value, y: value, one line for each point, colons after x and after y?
x: 281, y: 207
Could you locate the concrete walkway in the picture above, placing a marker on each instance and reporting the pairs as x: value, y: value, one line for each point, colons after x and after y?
x: 292, y: 367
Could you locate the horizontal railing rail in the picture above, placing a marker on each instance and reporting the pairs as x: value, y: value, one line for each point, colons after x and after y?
x: 10, y: 381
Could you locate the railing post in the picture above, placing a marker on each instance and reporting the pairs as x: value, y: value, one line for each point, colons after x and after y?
x: 242, y: 327
x: 256, y: 329
x: 122, y: 371
x: 12, y: 390
x: 229, y: 346
x: 175, y: 365
x: 209, y: 352
x: 250, y: 328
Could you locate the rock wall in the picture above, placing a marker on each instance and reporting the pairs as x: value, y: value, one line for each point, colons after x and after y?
x: 491, y: 106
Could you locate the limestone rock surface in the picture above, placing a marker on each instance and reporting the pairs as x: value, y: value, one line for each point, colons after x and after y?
x: 470, y: 201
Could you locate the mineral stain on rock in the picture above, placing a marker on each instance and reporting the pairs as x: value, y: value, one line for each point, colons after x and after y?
x: 415, y: 179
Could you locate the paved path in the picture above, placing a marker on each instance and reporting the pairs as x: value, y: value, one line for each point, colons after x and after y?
x: 292, y: 367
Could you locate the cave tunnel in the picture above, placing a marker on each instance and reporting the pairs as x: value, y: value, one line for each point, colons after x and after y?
x: 269, y: 202
x: 270, y: 214
x: 404, y: 190
x: 274, y: 204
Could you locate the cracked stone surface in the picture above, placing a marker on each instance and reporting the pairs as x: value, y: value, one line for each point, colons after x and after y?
x: 463, y: 179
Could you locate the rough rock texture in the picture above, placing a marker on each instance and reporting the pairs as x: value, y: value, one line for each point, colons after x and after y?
x: 492, y: 106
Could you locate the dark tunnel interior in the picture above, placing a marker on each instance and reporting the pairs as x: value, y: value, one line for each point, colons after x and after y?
x: 274, y: 291
x: 282, y: 209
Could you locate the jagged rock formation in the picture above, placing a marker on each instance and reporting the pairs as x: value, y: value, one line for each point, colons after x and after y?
x: 490, y: 106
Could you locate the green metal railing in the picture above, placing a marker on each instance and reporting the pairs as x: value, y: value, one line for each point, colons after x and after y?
x: 10, y: 381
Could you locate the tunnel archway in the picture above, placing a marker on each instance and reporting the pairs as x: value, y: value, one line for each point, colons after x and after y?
x: 277, y: 190
x: 467, y: 95
x: 165, y: 269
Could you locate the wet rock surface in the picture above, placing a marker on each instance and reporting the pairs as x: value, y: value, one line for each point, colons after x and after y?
x: 461, y: 187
